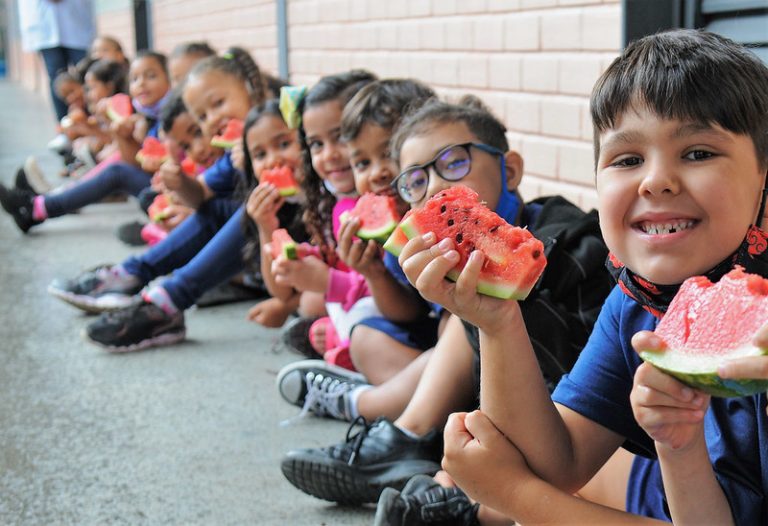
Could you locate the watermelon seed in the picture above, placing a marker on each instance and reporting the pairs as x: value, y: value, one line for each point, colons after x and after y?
x: 459, y: 238
x: 535, y: 254
x: 450, y: 222
x: 494, y: 228
x: 443, y: 209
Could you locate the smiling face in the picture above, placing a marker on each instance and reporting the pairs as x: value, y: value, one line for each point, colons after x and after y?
x: 214, y: 98
x: 675, y: 198
x: 148, y: 81
x: 484, y: 176
x: 187, y: 134
x: 271, y: 143
x: 322, y: 125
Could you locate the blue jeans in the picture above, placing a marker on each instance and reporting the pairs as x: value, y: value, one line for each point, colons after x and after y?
x: 118, y: 177
x: 204, y: 250
x: 57, y: 59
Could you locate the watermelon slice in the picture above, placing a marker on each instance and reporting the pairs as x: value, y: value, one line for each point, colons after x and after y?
x: 119, y: 107
x: 232, y: 134
x: 152, y: 149
x: 189, y: 167
x: 514, y: 259
x: 158, y: 210
x: 397, y: 239
x: 377, y: 214
x: 282, y: 244
x: 282, y: 178
x: 707, y: 324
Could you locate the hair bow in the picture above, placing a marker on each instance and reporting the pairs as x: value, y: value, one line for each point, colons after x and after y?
x: 290, y: 98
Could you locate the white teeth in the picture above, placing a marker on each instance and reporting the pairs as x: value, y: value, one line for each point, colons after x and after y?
x: 665, y: 228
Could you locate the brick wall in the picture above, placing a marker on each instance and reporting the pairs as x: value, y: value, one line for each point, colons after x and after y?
x: 532, y: 61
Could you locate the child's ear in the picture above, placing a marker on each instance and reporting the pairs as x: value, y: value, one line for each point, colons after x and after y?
x: 514, y: 164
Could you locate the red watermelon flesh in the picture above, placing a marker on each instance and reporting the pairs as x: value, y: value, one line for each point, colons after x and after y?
x: 119, y: 107
x: 709, y: 323
x: 282, y: 244
x: 232, y: 133
x: 152, y: 148
x: 282, y: 178
x: 158, y: 210
x: 514, y: 259
x: 189, y: 167
x: 377, y: 214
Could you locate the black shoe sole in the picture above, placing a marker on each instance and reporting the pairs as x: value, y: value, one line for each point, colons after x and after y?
x: 352, y: 485
x: 161, y: 340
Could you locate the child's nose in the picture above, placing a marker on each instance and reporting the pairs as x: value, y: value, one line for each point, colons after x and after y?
x: 659, y: 179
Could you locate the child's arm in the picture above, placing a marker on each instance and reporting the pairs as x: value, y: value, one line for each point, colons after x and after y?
x: 673, y: 415
x: 262, y: 206
x: 186, y: 190
x: 393, y: 300
x: 123, y: 133
x: 512, y: 391
x: 492, y: 471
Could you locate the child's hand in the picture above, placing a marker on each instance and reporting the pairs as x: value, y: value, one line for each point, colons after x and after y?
x: 426, y: 265
x: 670, y: 412
x: 151, y: 164
x: 480, y: 459
x: 124, y: 128
x: 174, y: 215
x: 752, y: 367
x: 237, y: 156
x: 362, y: 256
x: 140, y: 130
x: 262, y: 206
x: 170, y: 176
x: 307, y: 274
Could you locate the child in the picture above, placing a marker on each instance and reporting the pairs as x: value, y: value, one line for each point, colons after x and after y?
x: 108, y: 48
x: 183, y: 58
x: 269, y: 143
x: 206, y: 248
x: 149, y: 86
x: 680, y: 176
x: 561, y: 309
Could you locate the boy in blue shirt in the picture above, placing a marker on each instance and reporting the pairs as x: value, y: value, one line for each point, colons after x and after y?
x: 680, y: 170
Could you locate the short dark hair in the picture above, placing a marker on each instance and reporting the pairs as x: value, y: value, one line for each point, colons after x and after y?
x: 383, y: 103
x: 688, y: 75
x: 238, y: 63
x: 470, y: 110
x: 108, y: 71
x: 198, y: 48
x: 158, y: 57
x: 171, y: 110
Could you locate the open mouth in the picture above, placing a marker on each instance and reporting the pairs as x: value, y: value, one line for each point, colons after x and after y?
x: 669, y: 227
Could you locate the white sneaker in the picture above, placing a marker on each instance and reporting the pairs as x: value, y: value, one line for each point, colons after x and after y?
x: 36, y: 177
x: 59, y: 143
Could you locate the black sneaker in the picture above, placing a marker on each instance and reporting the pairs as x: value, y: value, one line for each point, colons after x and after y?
x: 98, y: 290
x: 136, y: 328
x: 18, y: 203
x: 22, y: 183
x: 425, y: 502
x: 130, y: 233
x: 357, y: 470
x: 294, y: 336
x: 319, y: 387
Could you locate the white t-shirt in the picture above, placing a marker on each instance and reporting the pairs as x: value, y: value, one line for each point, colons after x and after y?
x: 45, y: 24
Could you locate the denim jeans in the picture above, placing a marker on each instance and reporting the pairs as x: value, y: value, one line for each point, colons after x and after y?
x: 57, y: 59
x: 204, y: 250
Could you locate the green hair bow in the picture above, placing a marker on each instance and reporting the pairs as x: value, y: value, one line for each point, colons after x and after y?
x: 290, y: 98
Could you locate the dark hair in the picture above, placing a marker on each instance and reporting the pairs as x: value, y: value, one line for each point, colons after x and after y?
x: 274, y: 84
x: 469, y: 110
x: 158, y: 57
x: 198, y: 48
x: 108, y: 71
x: 687, y: 75
x: 112, y: 41
x: 238, y: 63
x: 64, y: 77
x: 171, y: 110
x: 79, y: 70
x: 319, y: 202
x: 383, y: 103
x: 288, y: 215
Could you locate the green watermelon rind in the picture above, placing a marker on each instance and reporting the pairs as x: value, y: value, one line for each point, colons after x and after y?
x: 380, y: 235
x: 223, y: 143
x: 290, y: 250
x: 488, y: 288
x: 700, y: 371
x: 392, y: 246
x: 288, y: 191
x: 140, y: 157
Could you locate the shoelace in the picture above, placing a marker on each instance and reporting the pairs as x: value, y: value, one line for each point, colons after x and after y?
x: 323, y: 393
x: 356, y: 441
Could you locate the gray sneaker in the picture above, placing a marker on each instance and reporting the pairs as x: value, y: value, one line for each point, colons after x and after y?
x: 98, y: 290
x: 319, y: 387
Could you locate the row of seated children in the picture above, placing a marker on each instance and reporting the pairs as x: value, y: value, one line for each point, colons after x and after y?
x: 417, y: 342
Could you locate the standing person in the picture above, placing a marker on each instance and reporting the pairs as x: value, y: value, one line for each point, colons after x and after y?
x: 61, y: 30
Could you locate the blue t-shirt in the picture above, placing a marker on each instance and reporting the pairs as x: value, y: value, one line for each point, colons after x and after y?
x: 154, y: 129
x: 221, y: 176
x: 736, y: 429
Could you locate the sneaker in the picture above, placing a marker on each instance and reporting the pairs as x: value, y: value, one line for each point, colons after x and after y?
x: 294, y: 336
x: 357, y: 470
x: 136, y: 328
x: 59, y: 144
x: 18, y: 203
x: 98, y: 290
x: 35, y: 176
x: 425, y: 502
x: 319, y: 387
x: 130, y: 233
x: 21, y: 182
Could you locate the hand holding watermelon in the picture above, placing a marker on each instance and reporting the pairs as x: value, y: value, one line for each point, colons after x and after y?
x: 306, y: 274
x: 359, y: 255
x: 262, y: 206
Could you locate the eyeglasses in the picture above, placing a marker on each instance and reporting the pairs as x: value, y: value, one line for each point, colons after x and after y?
x: 452, y: 163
